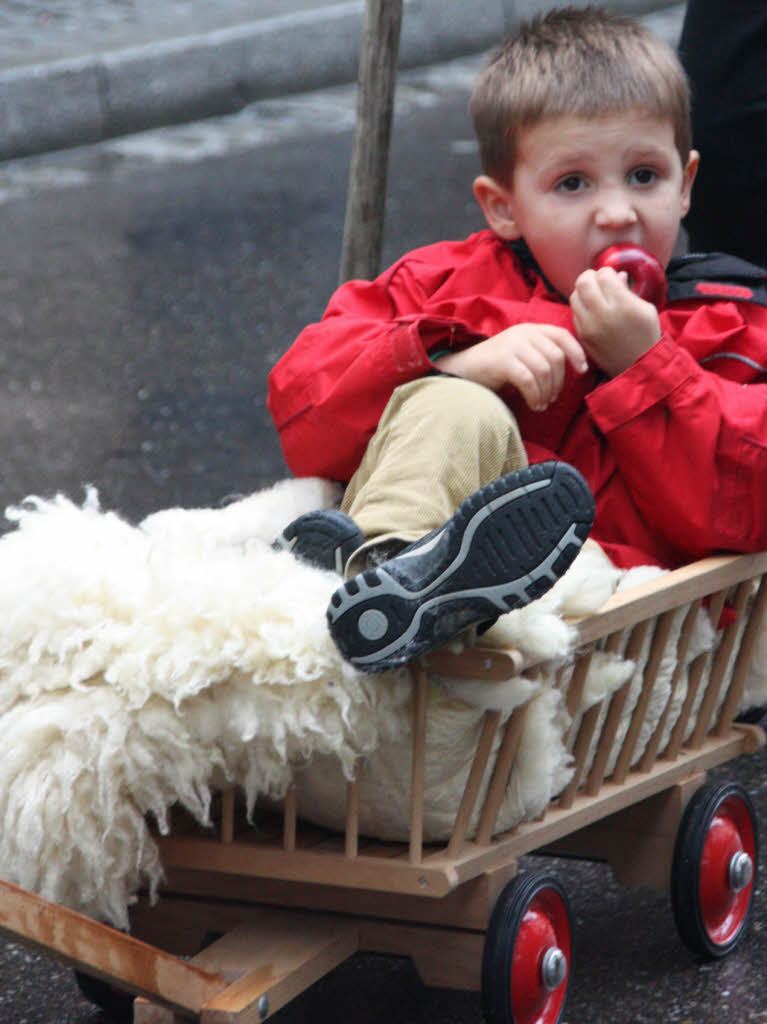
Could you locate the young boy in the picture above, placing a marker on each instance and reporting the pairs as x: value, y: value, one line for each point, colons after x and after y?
x: 418, y: 387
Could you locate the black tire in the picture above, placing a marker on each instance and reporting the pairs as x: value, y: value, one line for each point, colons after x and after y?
x: 516, y: 992
x: 116, y: 1005
x: 711, y: 897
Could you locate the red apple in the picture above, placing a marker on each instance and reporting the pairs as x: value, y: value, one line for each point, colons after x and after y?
x: 646, y: 277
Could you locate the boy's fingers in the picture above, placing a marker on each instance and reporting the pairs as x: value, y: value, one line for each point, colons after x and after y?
x: 572, y: 348
x: 587, y: 284
x: 595, y: 285
x: 538, y: 370
x: 524, y: 380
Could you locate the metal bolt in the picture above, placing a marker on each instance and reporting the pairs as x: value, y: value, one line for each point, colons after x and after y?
x: 263, y: 1007
x: 553, y: 968
x: 741, y: 871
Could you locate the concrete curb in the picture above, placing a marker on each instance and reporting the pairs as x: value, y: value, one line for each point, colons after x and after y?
x: 72, y: 102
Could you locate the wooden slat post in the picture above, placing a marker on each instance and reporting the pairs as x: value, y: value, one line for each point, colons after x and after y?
x: 651, y: 750
x: 615, y: 713
x: 419, y: 762
x: 504, y: 764
x: 719, y: 666
x: 694, y: 678
x: 580, y: 753
x: 697, y: 671
x: 743, y: 663
x: 473, y: 783
x: 352, y: 827
x: 604, y: 749
x: 576, y: 687
x: 366, y: 196
x: 650, y: 675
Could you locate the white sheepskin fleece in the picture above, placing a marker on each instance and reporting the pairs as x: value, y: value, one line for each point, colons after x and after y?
x: 146, y: 665
x: 140, y: 666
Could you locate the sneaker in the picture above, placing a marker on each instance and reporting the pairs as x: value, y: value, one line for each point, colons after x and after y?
x: 325, y: 539
x: 506, y: 545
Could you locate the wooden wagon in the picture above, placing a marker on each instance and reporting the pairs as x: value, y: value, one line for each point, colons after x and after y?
x: 252, y: 915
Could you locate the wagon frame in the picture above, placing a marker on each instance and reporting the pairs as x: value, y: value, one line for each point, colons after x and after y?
x: 249, y: 918
x: 287, y: 904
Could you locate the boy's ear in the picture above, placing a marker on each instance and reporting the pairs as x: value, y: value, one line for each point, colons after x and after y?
x: 495, y: 201
x: 690, y: 170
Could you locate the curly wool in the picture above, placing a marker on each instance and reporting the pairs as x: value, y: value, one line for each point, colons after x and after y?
x: 144, y: 666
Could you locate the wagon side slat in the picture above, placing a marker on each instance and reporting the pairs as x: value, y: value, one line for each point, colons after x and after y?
x: 683, y: 646
x: 615, y: 713
x: 578, y: 682
x: 490, y: 722
x: 580, y: 752
x: 720, y: 664
x: 504, y: 765
x: 351, y: 830
x: 598, y: 768
x: 698, y: 669
x: 419, y: 763
x: 659, y: 642
x: 756, y: 623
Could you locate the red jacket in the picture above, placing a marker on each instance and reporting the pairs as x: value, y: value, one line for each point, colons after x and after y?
x: 674, y: 448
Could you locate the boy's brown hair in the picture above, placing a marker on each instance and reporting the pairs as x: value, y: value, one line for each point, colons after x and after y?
x: 580, y: 62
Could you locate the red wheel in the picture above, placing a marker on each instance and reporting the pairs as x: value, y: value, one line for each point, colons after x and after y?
x: 714, y: 870
x: 527, y: 955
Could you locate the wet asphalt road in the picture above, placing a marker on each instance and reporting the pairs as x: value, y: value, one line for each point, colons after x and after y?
x: 146, y: 289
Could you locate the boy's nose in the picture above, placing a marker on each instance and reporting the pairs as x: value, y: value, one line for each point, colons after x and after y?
x: 615, y: 210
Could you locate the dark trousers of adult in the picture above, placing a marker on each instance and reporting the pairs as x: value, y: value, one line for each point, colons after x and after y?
x: 724, y: 51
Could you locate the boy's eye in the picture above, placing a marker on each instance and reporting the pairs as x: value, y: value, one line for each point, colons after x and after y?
x: 571, y: 183
x: 643, y: 176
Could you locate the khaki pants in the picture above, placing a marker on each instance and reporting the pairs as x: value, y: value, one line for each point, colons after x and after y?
x: 439, y: 440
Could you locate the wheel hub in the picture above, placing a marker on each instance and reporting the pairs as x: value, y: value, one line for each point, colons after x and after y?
x: 553, y: 968
x: 740, y: 871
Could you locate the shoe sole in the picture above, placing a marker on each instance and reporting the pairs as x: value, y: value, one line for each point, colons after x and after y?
x: 505, y: 546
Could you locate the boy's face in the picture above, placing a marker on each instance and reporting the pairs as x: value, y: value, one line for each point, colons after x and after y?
x: 581, y: 185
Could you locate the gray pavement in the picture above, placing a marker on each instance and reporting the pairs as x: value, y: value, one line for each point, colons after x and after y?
x: 78, y: 71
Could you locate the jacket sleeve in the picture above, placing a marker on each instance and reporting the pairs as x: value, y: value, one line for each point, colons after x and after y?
x: 687, y: 427
x: 327, y: 393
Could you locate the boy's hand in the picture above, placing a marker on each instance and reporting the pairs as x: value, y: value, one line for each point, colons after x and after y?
x: 614, y: 325
x: 529, y: 357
